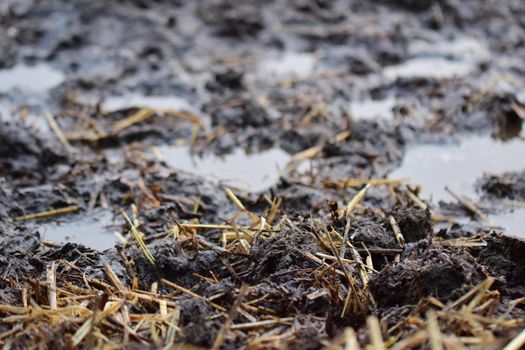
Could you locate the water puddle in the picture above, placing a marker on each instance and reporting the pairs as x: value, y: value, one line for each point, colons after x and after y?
x: 458, y: 166
x: 92, y: 231
x: 428, y: 68
x: 512, y: 221
x: 373, y: 109
x: 36, y: 78
x: 250, y: 172
x: 288, y: 65
x: 461, y: 48
x: 6, y: 112
x: 439, y: 58
x: 115, y: 103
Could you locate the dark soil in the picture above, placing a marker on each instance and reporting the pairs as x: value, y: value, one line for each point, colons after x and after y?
x: 508, y: 185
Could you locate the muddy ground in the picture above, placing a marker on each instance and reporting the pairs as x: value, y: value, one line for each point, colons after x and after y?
x: 103, y: 103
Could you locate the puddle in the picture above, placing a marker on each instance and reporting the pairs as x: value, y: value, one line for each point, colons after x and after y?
x: 459, y: 165
x: 440, y: 59
x: 115, y: 103
x: 373, y: 109
x: 288, y: 65
x: 36, y: 78
x: 93, y: 231
x: 512, y: 221
x: 462, y: 48
x: 5, y: 111
x: 250, y: 172
x: 428, y: 68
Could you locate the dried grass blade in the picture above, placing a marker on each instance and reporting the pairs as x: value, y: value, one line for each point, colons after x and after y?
x: 138, y: 238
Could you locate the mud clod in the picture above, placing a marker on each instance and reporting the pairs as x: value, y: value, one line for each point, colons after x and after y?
x: 508, y: 185
x: 433, y: 273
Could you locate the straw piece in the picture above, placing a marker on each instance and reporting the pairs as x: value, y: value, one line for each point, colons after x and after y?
x: 138, y: 238
x: 58, y: 132
x: 195, y: 119
x: 113, y: 277
x: 416, y: 200
x: 346, y: 183
x: 259, y: 324
x: 434, y: 333
x: 233, y: 311
x: 397, y: 231
x: 357, y: 198
x: 254, y: 218
x: 52, y: 286
x: 351, y: 342
x: 376, y: 336
x: 517, y: 342
x: 518, y: 109
x: 139, y: 116
x: 468, y: 204
x: 49, y: 213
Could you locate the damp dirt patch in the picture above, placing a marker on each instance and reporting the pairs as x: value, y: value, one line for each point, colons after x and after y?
x: 264, y: 175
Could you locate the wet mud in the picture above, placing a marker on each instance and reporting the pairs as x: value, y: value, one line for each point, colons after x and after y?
x: 216, y: 174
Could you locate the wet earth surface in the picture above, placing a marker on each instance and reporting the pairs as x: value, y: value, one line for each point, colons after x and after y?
x: 304, y: 164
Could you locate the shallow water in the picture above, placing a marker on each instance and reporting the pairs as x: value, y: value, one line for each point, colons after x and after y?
x: 286, y: 66
x: 459, y: 166
x: 91, y: 230
x: 5, y: 110
x: 461, y: 48
x: 429, y: 68
x: 512, y: 221
x: 438, y: 58
x: 115, y: 103
x: 246, y: 171
x: 373, y: 109
x: 36, y: 78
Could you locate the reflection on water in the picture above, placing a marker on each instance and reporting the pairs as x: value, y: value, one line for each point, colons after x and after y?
x: 461, y: 48
x: 373, y: 109
x: 286, y: 66
x: 512, y: 221
x: 459, y: 165
x: 37, y: 78
x: 251, y: 172
x: 91, y: 230
x: 5, y: 111
x: 429, y: 68
x: 439, y: 58
x: 115, y: 103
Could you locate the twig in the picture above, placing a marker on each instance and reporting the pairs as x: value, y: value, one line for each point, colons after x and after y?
x: 58, y: 132
x: 517, y: 342
x: 220, y: 336
x: 397, y: 231
x: 434, y: 333
x: 138, y: 238
x: 258, y: 324
x: 468, y: 204
x: 376, y: 336
x: 49, y: 213
x: 52, y: 286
